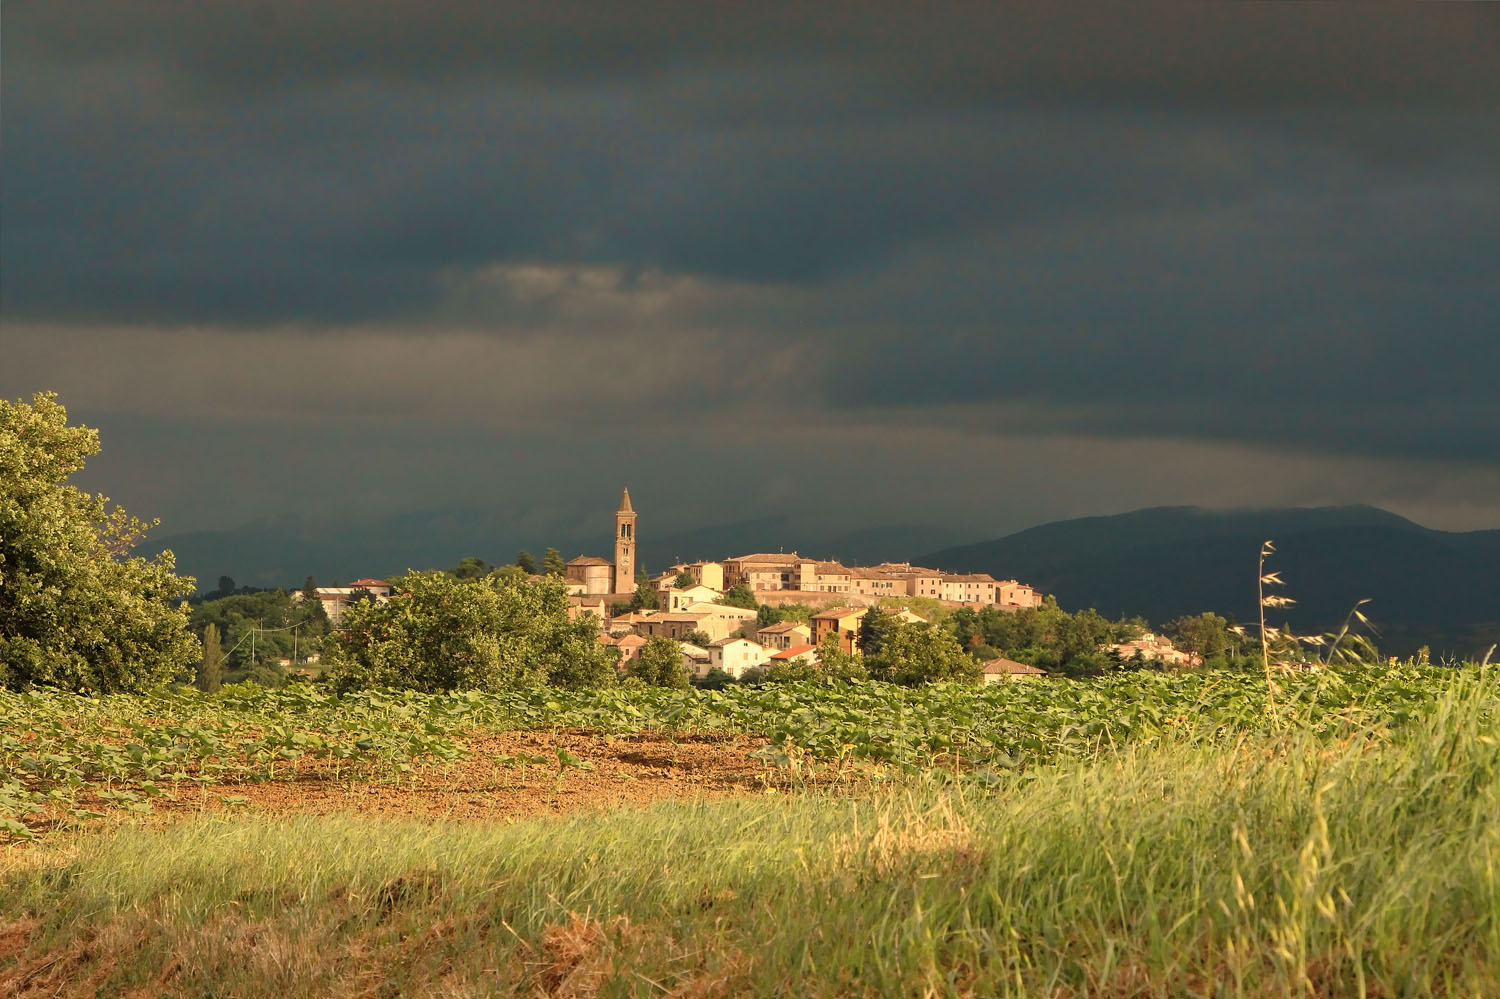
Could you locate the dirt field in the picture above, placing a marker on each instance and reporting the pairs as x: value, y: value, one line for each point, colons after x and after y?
x: 633, y: 769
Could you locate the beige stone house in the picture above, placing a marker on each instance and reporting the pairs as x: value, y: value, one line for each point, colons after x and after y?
x: 843, y: 621
x: 703, y: 573
x: 670, y: 598
x: 736, y: 655
x: 784, y: 635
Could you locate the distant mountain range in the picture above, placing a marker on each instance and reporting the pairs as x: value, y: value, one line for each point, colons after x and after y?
x: 1435, y: 588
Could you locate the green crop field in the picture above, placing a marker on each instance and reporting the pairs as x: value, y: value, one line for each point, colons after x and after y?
x: 1141, y: 835
x: 66, y: 756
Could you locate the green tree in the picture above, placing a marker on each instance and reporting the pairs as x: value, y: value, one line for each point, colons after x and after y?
x: 873, y: 629
x: 645, y: 593
x: 698, y: 638
x: 76, y: 611
x: 440, y: 633
x: 659, y: 664
x: 211, y: 669
x: 684, y: 580
x: 740, y: 595
x: 716, y: 679
x: 836, y: 664
x: 226, y: 586
x: 917, y: 654
x: 553, y: 564
x: 526, y: 562
x: 310, y: 589
x: 1206, y: 635
x: 471, y: 567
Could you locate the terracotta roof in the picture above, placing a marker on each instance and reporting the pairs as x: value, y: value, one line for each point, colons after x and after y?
x: 795, y: 651
x: 968, y: 577
x: 730, y: 641
x: 832, y: 568
x: 782, y: 626
x: 630, y: 641
x: 369, y: 582
x: 589, y: 560
x: 692, y: 651
x: 1011, y: 667
x: 769, y: 558
x: 839, y: 613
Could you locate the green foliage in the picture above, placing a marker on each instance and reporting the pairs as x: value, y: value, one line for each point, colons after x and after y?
x: 283, y: 626
x: 75, y: 610
x: 918, y: 654
x: 211, y: 670
x: 740, y: 595
x: 645, y: 593
x: 440, y: 633
x: 698, y: 638
x: 1045, y: 636
x: 836, y: 664
x: 553, y: 564
x: 684, y: 580
x: 874, y: 627
x: 659, y: 664
x: 471, y: 567
x: 526, y: 562
x: 1207, y: 635
x: 715, y: 679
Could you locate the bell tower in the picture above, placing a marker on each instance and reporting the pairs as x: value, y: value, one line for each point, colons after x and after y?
x: 625, y: 545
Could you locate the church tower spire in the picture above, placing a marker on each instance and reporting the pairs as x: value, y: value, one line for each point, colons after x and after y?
x: 625, y: 545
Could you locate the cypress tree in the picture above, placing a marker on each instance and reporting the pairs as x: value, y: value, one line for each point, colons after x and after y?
x: 211, y: 669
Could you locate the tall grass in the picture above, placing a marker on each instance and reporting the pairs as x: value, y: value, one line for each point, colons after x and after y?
x: 1278, y: 866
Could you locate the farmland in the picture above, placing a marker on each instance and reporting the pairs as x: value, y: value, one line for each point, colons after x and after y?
x: 69, y: 759
x: 1143, y: 835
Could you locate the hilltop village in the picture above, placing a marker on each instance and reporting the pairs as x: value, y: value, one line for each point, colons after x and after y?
x: 715, y: 609
x: 694, y: 605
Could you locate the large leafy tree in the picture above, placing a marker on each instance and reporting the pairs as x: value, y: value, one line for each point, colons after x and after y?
x: 659, y: 664
x: 917, y: 654
x: 493, y: 633
x: 76, y: 610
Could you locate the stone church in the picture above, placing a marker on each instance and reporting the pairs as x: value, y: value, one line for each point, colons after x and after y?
x: 600, y: 577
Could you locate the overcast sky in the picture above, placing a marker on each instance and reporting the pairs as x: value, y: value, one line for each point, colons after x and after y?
x: 878, y: 263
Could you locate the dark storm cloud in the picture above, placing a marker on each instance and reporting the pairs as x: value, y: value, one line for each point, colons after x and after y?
x: 1240, y: 221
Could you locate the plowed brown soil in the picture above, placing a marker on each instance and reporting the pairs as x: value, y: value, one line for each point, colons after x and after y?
x: 633, y: 769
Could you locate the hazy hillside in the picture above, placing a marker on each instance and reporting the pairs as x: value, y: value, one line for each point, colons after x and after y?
x: 1427, y: 587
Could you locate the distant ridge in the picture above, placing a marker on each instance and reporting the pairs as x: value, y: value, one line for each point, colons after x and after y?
x: 1427, y: 587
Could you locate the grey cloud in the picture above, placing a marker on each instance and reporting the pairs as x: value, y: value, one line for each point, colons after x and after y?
x: 1199, y: 54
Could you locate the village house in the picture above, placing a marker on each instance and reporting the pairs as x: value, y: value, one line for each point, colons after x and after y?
x: 736, y: 655
x: 670, y: 598
x: 695, y: 659
x: 1156, y: 647
x: 709, y: 574
x: 842, y: 621
x: 1001, y: 670
x: 335, y: 598
x: 784, y: 635
x: 795, y: 654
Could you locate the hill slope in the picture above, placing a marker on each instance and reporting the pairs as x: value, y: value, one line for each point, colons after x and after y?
x: 1426, y: 587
